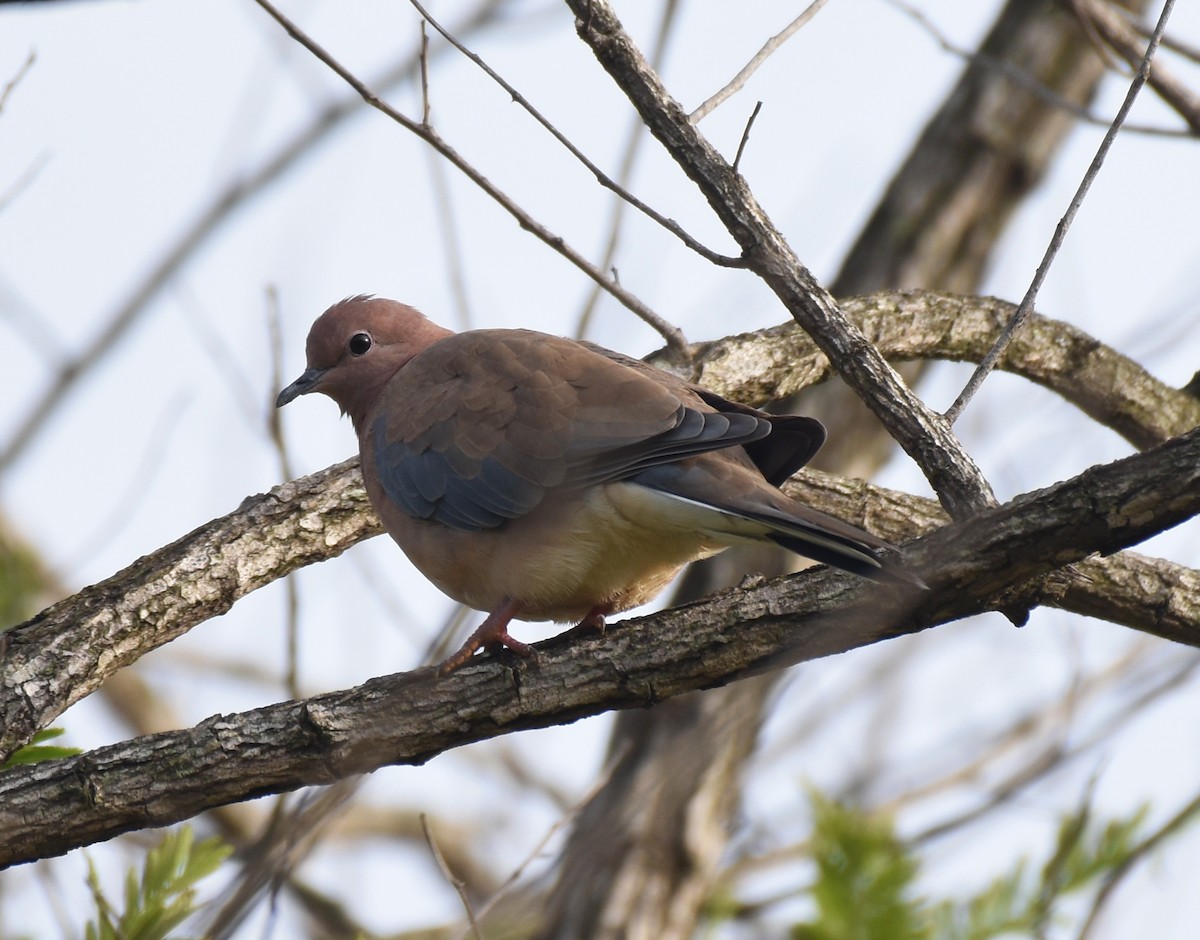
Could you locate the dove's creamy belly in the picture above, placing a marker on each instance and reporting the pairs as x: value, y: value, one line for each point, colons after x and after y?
x: 614, y: 548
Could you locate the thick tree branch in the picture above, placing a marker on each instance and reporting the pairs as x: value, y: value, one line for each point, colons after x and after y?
x: 66, y: 651
x: 1114, y: 390
x: 1150, y: 595
x: 52, y: 807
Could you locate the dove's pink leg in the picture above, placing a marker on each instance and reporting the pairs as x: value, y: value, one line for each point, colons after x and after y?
x: 493, y: 632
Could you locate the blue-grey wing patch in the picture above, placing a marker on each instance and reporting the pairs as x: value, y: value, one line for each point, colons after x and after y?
x: 426, y: 486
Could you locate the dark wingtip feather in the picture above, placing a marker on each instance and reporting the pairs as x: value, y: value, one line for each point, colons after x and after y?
x: 856, y: 558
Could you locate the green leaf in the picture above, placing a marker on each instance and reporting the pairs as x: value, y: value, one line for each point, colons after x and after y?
x: 36, y: 751
x: 163, y: 897
x: 865, y: 883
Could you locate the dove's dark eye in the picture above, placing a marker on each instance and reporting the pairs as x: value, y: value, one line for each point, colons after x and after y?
x: 359, y: 343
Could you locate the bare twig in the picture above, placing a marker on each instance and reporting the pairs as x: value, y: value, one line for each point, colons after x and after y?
x: 279, y: 440
x: 1183, y: 48
x: 739, y: 80
x: 456, y: 883
x: 1117, y: 32
x: 1101, y: 48
x: 1050, y: 757
x: 22, y: 182
x: 624, y: 174
x: 121, y: 508
x: 516, y: 874
x: 1029, y: 730
x: 1140, y: 852
x: 30, y: 173
x: 195, y: 235
x: 452, y: 244
x: 601, y: 177
x: 669, y: 332
x: 424, y: 59
x: 746, y: 135
x: 1024, y: 79
x: 16, y: 79
x: 276, y: 381
x: 445, y: 217
x: 289, y: 836
x: 1060, y: 232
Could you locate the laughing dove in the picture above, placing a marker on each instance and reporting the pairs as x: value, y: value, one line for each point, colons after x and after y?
x: 549, y: 479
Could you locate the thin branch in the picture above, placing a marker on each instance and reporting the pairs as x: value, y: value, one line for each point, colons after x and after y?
x: 445, y: 216
x: 1047, y: 759
x: 24, y: 181
x: 30, y: 174
x: 737, y: 159
x: 1183, y: 48
x: 194, y: 236
x: 275, y: 429
x: 1060, y: 233
x: 456, y: 883
x: 670, y: 333
x: 1051, y: 757
x: 13, y: 82
x: 573, y: 811
x: 769, y: 47
x: 120, y: 509
x: 629, y: 155
x: 1139, y: 854
x: 268, y: 864
x: 1041, y: 720
x: 1118, y: 33
x: 1102, y: 49
x: 452, y: 243
x: 601, y: 177
x: 424, y: 60
x: 1025, y: 79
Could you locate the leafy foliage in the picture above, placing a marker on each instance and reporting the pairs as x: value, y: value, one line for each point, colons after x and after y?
x: 1084, y: 852
x: 37, y: 750
x: 865, y: 884
x: 864, y: 880
x: 165, y: 894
